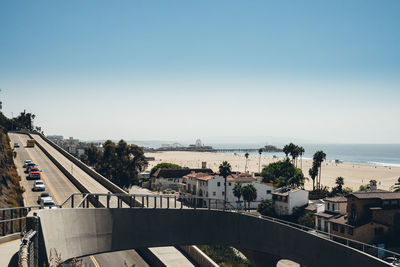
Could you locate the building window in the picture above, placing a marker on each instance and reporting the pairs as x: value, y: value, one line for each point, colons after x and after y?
x: 333, y: 206
x: 350, y: 230
x: 329, y: 206
x: 268, y: 191
x: 230, y: 184
x: 379, y: 231
x: 218, y: 183
x: 386, y: 204
x: 342, y: 229
x: 335, y: 227
x: 214, y: 194
x: 394, y: 204
x: 223, y: 193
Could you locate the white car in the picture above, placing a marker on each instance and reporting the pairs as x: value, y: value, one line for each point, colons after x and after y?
x: 39, y: 186
x: 27, y: 162
x: 44, y: 197
x: 47, y: 204
x: 16, y: 145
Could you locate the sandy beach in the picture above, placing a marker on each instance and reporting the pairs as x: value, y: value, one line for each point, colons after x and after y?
x: 354, y: 174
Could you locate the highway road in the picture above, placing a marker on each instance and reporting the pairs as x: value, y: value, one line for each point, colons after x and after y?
x: 60, y: 187
x: 173, y: 258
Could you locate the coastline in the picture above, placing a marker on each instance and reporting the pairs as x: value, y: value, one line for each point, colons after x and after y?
x: 354, y: 174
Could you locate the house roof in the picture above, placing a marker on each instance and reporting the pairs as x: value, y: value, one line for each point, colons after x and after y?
x: 311, y: 207
x: 342, y: 219
x: 336, y: 199
x: 200, y: 176
x: 325, y: 215
x: 177, y: 173
x: 376, y: 193
x: 241, y: 179
x: 284, y: 191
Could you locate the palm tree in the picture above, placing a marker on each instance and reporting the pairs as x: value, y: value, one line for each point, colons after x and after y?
x: 313, y: 172
x: 286, y: 150
x: 340, y: 183
x: 318, y: 158
x: 259, y: 159
x: 249, y: 193
x: 247, y: 157
x: 225, y: 171
x: 301, y: 152
x: 237, y: 190
x: 396, y: 186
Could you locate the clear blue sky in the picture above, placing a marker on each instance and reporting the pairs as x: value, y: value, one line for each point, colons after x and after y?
x: 320, y: 71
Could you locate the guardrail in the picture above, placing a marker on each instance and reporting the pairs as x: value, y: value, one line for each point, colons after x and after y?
x: 13, y: 219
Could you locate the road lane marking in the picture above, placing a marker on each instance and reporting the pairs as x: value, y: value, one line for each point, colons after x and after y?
x: 44, y: 177
x: 94, y: 261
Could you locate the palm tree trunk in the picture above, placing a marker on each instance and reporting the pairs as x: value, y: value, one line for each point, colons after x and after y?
x: 259, y: 164
x: 225, y: 193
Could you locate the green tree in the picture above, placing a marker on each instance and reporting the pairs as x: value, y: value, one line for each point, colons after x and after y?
x: 266, y: 207
x: 164, y: 165
x: 280, y: 173
x: 249, y: 193
x: 307, y: 220
x: 225, y: 171
x: 237, y: 190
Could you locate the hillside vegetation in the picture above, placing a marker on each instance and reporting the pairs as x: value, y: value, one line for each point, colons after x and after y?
x: 10, y: 190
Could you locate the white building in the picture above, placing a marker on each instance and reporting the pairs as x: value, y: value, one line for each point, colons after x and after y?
x: 334, y: 207
x: 287, y: 199
x: 212, y: 186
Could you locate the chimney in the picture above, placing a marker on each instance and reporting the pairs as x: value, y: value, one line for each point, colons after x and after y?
x: 372, y: 185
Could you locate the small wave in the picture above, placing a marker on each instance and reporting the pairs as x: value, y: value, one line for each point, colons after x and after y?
x: 384, y: 164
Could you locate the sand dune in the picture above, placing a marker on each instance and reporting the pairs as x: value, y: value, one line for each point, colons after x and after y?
x: 354, y: 174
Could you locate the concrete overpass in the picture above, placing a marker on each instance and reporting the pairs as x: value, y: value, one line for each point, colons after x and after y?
x: 80, y: 232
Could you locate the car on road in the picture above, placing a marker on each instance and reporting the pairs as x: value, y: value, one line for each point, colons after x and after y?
x: 16, y: 145
x: 33, y: 175
x: 39, y: 186
x: 29, y: 166
x: 44, y: 196
x: 48, y: 204
x: 27, y: 162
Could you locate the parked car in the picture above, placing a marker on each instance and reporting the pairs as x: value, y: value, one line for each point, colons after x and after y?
x: 27, y: 162
x: 16, y: 145
x: 44, y: 196
x: 47, y: 204
x: 39, y: 186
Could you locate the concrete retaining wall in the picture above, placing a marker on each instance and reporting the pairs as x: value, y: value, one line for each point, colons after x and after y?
x: 198, y: 256
x: 81, y: 232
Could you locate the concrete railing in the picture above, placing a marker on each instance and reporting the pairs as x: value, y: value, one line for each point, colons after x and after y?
x: 81, y: 232
x: 98, y: 177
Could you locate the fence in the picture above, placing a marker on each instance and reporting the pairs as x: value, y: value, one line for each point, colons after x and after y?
x: 28, y: 250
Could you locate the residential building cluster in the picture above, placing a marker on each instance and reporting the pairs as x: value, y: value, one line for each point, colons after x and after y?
x: 207, y: 184
x: 369, y: 216
x: 72, y: 145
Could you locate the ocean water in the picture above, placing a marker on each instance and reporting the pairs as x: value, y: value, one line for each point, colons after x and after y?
x: 380, y: 154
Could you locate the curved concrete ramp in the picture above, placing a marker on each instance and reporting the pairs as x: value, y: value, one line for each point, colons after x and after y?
x: 81, y: 232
